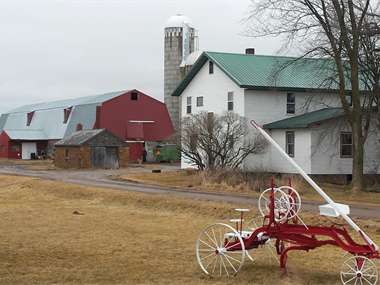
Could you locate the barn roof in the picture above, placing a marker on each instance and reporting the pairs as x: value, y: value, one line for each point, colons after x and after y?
x: 48, y: 118
x: 79, y: 138
x: 69, y: 102
x: 26, y: 134
x: 268, y: 72
x: 305, y: 120
x: 90, y: 137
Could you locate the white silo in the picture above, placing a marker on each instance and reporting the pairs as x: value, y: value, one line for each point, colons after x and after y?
x: 180, y: 41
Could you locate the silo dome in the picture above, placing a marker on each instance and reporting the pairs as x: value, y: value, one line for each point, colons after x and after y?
x: 178, y: 21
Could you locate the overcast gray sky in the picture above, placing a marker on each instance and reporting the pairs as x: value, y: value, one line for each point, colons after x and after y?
x: 53, y: 49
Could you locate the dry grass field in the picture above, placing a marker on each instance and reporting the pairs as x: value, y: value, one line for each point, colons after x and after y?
x: 55, y: 233
x: 205, y: 182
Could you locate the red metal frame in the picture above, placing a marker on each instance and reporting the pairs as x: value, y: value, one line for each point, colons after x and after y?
x: 301, y: 237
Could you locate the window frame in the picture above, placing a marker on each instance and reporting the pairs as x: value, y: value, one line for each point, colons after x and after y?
x: 210, y: 67
x: 199, y: 100
x: 346, y: 144
x: 134, y: 96
x: 188, y: 105
x: 230, y: 101
x: 287, y: 143
x: 290, y: 104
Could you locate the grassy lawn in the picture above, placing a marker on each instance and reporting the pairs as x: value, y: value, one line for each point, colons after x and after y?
x: 58, y: 233
x: 201, y: 181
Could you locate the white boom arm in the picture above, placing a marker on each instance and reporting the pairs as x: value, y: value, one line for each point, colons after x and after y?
x: 315, y: 185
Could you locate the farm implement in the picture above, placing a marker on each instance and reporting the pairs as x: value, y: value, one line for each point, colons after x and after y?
x: 221, y: 249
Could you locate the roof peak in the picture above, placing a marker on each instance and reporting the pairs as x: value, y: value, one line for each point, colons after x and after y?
x: 265, y: 55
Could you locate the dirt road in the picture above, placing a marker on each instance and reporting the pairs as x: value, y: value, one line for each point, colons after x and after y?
x: 102, y: 178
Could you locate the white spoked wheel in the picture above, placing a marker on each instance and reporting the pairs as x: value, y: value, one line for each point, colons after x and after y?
x: 281, y: 204
x: 359, y: 270
x: 212, y: 250
x: 294, y: 200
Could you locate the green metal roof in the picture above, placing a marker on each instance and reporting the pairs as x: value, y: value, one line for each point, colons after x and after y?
x: 305, y: 120
x: 268, y: 72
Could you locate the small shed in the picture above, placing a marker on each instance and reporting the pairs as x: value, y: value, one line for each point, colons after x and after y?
x: 97, y: 148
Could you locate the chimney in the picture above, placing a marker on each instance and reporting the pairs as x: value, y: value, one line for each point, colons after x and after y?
x: 250, y: 51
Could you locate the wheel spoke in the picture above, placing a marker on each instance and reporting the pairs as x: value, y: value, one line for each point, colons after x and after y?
x: 233, y: 258
x: 233, y: 267
x: 206, y: 244
x: 348, y: 281
x: 224, y: 265
x: 211, y: 254
x: 213, y: 241
x: 366, y: 280
x: 212, y: 261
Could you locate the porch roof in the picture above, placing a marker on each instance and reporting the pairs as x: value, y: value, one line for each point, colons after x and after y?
x: 305, y: 120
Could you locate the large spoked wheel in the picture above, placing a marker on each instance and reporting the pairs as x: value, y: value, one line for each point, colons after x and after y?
x: 213, y: 249
x: 294, y: 200
x: 359, y: 270
x: 281, y: 204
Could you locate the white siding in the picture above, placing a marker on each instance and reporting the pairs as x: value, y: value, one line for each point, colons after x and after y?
x: 214, y: 88
x: 325, y: 150
x: 268, y: 106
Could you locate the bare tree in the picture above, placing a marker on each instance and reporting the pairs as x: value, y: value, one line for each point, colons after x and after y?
x: 212, y: 141
x: 333, y: 29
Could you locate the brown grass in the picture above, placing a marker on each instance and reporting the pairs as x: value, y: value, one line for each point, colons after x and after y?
x: 125, y: 238
x: 237, y: 184
x: 41, y: 165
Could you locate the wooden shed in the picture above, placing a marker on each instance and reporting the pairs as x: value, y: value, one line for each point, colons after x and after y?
x: 91, y: 149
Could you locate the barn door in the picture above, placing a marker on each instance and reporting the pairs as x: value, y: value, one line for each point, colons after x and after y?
x: 98, y: 155
x: 105, y: 157
x: 112, y: 158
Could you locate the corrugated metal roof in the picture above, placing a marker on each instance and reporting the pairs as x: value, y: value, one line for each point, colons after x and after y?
x: 268, y: 72
x: 26, y: 134
x: 305, y: 120
x: 79, y: 138
x: 82, y: 114
x: 69, y: 102
x: 49, y: 117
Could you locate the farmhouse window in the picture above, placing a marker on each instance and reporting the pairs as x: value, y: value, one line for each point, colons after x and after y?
x: 211, y: 67
x: 290, y: 143
x: 188, y: 105
x: 290, y: 103
x: 230, y: 101
x: 346, y: 145
x: 200, y: 101
x: 134, y: 96
x: 349, y: 99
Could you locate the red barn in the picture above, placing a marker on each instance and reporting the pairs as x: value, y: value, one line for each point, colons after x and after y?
x: 131, y: 115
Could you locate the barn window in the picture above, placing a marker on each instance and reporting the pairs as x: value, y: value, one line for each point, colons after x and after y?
x: 66, y: 114
x: 200, y: 101
x: 79, y: 127
x: 188, y: 105
x: 345, y: 145
x: 211, y: 67
x: 290, y: 143
x: 29, y: 118
x: 67, y: 154
x: 134, y: 96
x: 290, y: 103
x: 230, y: 101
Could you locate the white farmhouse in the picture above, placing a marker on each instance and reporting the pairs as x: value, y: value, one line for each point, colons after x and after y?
x: 291, y: 99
